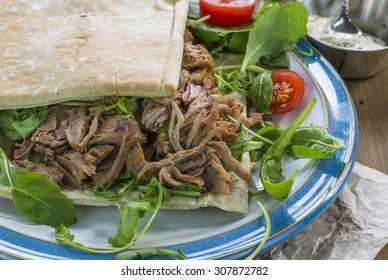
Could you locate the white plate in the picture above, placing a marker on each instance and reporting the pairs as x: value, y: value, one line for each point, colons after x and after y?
x: 212, y: 233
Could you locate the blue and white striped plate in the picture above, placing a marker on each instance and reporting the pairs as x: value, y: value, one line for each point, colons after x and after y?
x: 212, y: 233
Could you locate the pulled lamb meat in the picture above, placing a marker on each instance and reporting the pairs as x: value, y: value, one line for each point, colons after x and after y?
x: 162, y: 146
x: 199, y: 128
x: 200, y: 166
x: 192, y: 93
x: 51, y: 133
x: 97, y: 154
x: 155, y: 113
x: 196, y: 80
x: 50, y: 172
x: 81, y: 145
x: 130, y: 138
x: 135, y: 157
x: 22, y: 148
x: 196, y: 56
x: 188, y: 37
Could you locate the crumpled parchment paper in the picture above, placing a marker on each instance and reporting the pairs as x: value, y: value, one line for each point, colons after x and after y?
x: 354, y: 227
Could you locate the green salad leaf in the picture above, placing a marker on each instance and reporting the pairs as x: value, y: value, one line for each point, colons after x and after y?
x: 129, y: 222
x: 128, y: 231
x: 244, y: 144
x: 217, y: 39
x: 127, y: 107
x: 20, y: 124
x: 41, y: 200
x: 155, y: 195
x: 64, y: 236
x: 271, y: 169
x: 314, y: 142
x: 37, y: 198
x: 275, y: 31
x: 282, y: 61
x: 122, y: 186
x: 267, y: 232
x: 261, y: 92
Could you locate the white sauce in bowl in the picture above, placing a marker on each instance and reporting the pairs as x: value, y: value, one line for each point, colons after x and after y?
x: 318, y: 28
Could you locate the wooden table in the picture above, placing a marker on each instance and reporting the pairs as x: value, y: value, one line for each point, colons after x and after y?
x: 371, y: 101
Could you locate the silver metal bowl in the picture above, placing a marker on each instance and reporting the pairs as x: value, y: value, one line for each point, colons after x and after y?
x: 372, y: 17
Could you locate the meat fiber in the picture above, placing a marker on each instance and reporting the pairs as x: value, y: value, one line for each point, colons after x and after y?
x: 155, y: 114
x: 195, y: 56
x: 50, y: 172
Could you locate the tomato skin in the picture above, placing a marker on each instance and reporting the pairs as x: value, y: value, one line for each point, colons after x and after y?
x: 227, y: 13
x: 288, y: 91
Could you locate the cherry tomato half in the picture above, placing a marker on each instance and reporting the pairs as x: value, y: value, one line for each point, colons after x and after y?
x: 227, y: 13
x: 288, y: 90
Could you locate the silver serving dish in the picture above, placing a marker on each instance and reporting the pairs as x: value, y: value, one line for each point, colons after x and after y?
x: 372, y: 17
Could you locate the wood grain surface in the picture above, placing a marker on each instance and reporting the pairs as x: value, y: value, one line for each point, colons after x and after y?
x: 370, y: 98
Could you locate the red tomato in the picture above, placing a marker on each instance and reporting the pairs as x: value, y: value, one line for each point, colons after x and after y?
x: 227, y: 13
x: 288, y: 90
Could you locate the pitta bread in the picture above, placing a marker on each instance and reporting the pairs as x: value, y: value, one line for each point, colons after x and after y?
x: 55, y: 51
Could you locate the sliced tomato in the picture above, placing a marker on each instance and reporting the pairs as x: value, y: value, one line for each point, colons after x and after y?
x: 227, y: 13
x: 288, y: 91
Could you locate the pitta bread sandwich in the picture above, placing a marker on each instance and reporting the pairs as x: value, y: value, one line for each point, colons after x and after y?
x: 123, y: 88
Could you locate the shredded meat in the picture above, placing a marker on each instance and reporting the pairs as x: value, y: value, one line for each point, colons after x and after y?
x: 97, y: 154
x: 130, y: 137
x: 51, y: 133
x: 151, y: 169
x: 80, y: 143
x: 155, y: 114
x: 162, y: 146
x: 199, y: 128
x: 195, y: 56
x: 200, y: 165
x: 68, y: 178
x: 76, y: 131
x: 193, y: 92
x: 216, y: 178
x: 192, y: 161
x: 50, y: 172
x: 253, y: 118
x: 176, y: 123
x: 135, y: 157
x: 78, y: 161
x: 209, y: 81
x: 23, y: 148
x: 223, y: 152
x: 46, y: 152
x: 227, y: 131
x: 171, y: 176
x: 106, y: 138
x: 188, y: 37
x: 73, y: 170
x: 183, y: 79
